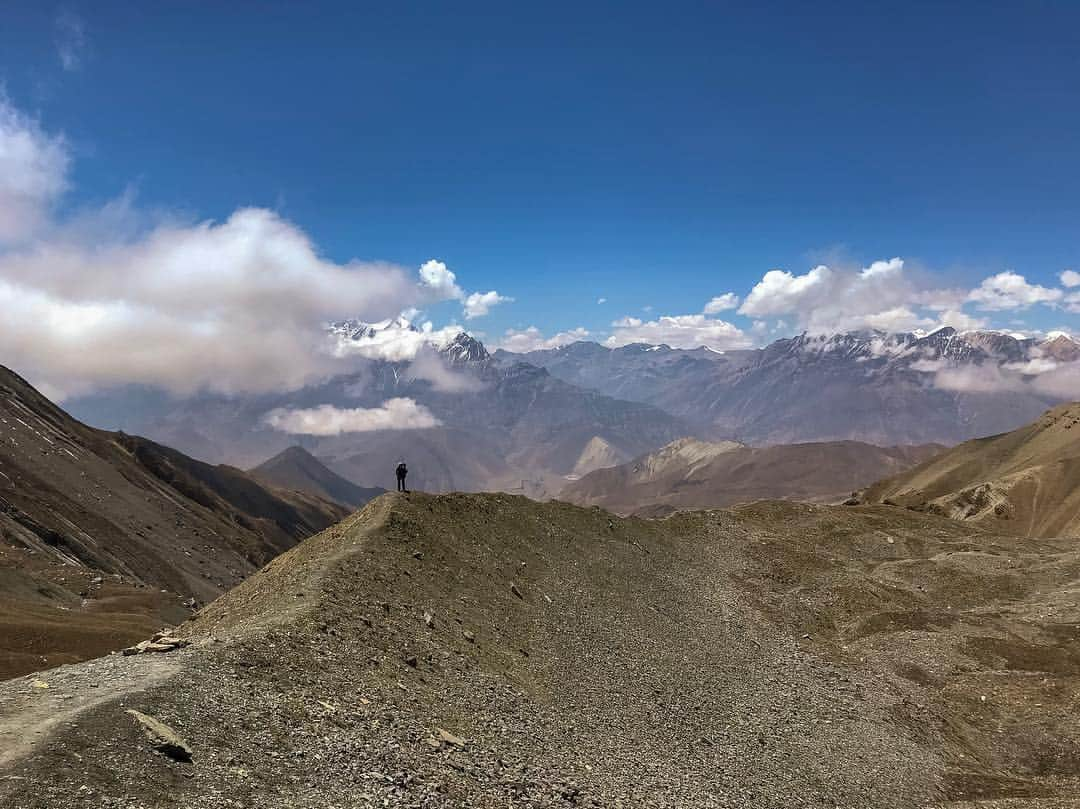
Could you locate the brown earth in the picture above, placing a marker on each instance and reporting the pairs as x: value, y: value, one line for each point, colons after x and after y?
x: 104, y: 536
x: 491, y: 651
x: 1026, y: 481
x: 692, y: 474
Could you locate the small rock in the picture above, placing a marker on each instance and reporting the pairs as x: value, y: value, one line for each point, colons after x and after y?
x: 469, y: 636
x: 449, y: 738
x: 163, y: 738
x: 514, y: 589
x: 412, y: 661
x: 429, y: 619
x: 418, y: 555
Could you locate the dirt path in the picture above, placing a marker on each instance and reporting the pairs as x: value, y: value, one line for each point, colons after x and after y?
x: 33, y: 706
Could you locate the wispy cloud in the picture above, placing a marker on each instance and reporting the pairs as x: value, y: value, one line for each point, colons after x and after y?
x: 71, y: 41
x: 521, y: 341
x: 325, y: 420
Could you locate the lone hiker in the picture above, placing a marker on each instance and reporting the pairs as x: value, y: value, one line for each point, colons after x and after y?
x: 402, y: 470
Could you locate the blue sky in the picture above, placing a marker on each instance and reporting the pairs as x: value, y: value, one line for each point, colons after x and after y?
x: 655, y: 155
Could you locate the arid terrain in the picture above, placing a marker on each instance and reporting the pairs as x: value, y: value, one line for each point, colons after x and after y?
x: 1026, y: 481
x: 488, y: 650
x: 104, y: 536
x: 689, y: 474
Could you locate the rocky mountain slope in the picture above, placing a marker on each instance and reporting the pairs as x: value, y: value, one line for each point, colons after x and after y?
x: 1026, y: 481
x: 297, y: 469
x: 689, y: 473
x: 881, y: 388
x: 499, y: 423
x: 490, y: 651
x: 103, y: 536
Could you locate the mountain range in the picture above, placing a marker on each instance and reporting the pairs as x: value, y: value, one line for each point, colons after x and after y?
x: 528, y: 422
x: 881, y: 388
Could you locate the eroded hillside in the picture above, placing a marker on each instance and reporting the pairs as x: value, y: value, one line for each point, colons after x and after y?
x: 1026, y: 481
x: 486, y: 650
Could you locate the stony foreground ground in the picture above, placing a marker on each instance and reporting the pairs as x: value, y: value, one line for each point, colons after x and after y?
x: 485, y: 650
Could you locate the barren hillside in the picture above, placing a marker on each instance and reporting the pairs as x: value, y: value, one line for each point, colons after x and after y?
x: 490, y: 651
x: 1026, y: 481
x: 689, y: 474
x: 105, y: 536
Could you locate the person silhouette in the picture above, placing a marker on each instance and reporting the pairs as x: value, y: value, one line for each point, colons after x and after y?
x: 401, y: 471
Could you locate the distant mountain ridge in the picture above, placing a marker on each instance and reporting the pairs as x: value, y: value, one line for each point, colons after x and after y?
x: 297, y: 469
x: 882, y: 388
x: 693, y: 474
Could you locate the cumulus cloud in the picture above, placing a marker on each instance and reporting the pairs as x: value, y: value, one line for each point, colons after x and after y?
x: 479, y: 304
x: 438, y: 278
x: 1010, y: 290
x: 883, y: 295
x: 1069, y: 278
x: 600, y: 301
x: 71, y: 42
x: 721, y: 303
x: 442, y: 282
x: 521, y: 341
x: 233, y: 306
x: 33, y: 174
x: 324, y: 420
x: 679, y: 331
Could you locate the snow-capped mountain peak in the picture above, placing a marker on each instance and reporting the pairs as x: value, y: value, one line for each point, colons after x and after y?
x: 465, y: 348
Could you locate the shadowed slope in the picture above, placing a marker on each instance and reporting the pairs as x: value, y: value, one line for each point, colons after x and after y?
x: 105, y: 535
x: 297, y: 469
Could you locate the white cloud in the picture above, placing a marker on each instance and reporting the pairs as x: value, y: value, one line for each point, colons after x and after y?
x: 1010, y: 290
x: 71, y: 42
x: 601, y: 301
x: 679, y: 331
x: 894, y: 266
x: 1072, y: 302
x: 442, y: 282
x: 880, y: 296
x: 437, y: 277
x: 33, y: 174
x: 394, y: 414
x: 532, y: 339
x: 110, y: 297
x: 1069, y: 278
x: 479, y: 304
x: 780, y: 292
x: 394, y: 340
x: 428, y: 365
x: 721, y: 303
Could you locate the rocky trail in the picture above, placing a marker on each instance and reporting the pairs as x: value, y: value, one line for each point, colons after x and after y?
x: 486, y: 650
